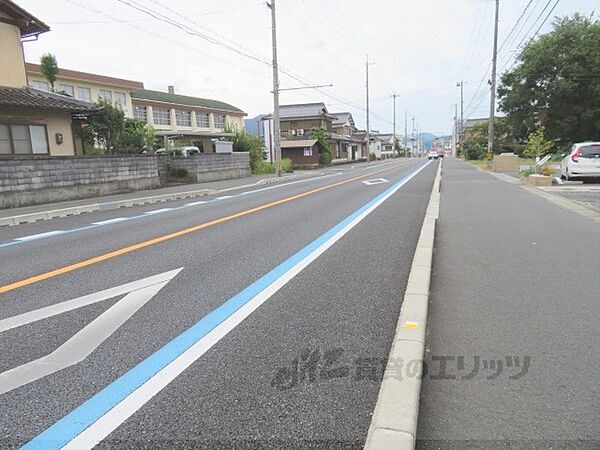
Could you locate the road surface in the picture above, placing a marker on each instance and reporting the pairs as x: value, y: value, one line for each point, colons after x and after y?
x: 259, y: 319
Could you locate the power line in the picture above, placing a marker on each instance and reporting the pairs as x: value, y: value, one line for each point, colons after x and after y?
x: 478, y: 97
x: 538, y: 30
x: 242, y: 51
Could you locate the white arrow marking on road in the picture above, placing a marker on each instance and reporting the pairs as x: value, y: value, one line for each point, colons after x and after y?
x: 375, y: 181
x: 89, y: 338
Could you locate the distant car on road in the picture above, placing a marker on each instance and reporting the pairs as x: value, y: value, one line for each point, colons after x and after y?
x: 181, y: 151
x: 582, y: 163
x: 432, y: 155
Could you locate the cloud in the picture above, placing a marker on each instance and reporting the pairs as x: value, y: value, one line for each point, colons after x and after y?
x: 420, y: 49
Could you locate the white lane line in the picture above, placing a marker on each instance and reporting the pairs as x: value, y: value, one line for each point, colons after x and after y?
x: 103, y: 426
x: 201, y: 202
x: 40, y: 235
x: 158, y: 211
x: 80, y: 302
x: 224, y: 197
x: 84, y: 342
x: 109, y: 221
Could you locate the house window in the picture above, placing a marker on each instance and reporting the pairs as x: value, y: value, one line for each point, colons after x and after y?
x: 23, y: 139
x: 141, y: 113
x: 40, y: 85
x: 202, y: 120
x: 85, y: 94
x: 219, y: 120
x: 162, y: 116
x: 184, y: 118
x: 106, y: 95
x: 120, y: 99
x: 5, y: 146
x: 67, y: 89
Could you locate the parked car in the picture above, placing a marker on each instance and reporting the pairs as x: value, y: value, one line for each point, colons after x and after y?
x: 582, y: 163
x: 432, y: 155
x: 186, y: 151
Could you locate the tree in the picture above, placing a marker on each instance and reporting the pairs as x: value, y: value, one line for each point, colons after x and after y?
x: 49, y: 68
x: 135, y: 137
x: 397, y: 146
x: 320, y: 135
x: 107, y: 126
x: 556, y: 84
x: 537, y: 144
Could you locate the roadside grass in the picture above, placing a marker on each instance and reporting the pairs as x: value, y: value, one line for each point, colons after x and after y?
x: 481, y: 163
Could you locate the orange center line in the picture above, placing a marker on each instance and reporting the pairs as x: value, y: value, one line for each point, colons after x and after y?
x: 183, y: 232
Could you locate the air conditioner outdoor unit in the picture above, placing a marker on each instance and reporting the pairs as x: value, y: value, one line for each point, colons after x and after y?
x: 300, y: 132
x: 293, y: 132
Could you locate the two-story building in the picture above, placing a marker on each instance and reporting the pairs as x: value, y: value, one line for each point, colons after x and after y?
x: 346, y: 145
x: 32, y: 121
x: 88, y: 87
x: 185, y: 119
x: 296, y: 123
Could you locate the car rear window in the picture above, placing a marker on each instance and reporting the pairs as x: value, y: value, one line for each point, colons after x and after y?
x: 590, y: 151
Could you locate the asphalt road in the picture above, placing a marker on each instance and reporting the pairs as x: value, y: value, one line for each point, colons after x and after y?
x: 298, y: 371
x: 515, y: 284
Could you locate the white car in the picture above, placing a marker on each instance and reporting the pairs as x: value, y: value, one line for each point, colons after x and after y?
x: 432, y: 155
x: 582, y: 163
x: 186, y: 151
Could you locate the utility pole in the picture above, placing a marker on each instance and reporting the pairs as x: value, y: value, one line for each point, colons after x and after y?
x: 456, y: 138
x: 490, y: 152
x: 276, y: 124
x: 462, y: 111
x: 367, y: 64
x: 394, y: 96
x: 412, y: 146
x: 405, y: 134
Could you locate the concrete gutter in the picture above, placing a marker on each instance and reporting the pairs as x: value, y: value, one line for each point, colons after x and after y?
x: 126, y: 203
x: 394, y: 422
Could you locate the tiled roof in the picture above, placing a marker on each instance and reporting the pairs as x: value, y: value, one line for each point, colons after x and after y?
x: 302, y: 110
x: 165, y: 97
x: 33, y: 98
x: 28, y: 24
x: 342, y: 118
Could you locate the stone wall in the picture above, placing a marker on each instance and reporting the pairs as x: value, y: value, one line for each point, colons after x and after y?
x: 211, y: 166
x: 36, y: 180
x: 30, y: 181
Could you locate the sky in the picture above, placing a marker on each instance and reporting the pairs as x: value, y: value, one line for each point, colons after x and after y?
x: 222, y: 50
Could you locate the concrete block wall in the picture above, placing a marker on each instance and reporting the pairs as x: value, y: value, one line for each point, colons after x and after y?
x: 37, y: 180
x: 212, y: 166
x: 30, y: 181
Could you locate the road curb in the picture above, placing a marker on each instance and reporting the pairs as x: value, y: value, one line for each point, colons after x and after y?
x: 126, y: 203
x: 394, y: 422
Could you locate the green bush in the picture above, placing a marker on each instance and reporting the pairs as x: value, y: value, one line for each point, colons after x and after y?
x: 527, y: 172
x: 372, y: 156
x: 263, y: 167
x: 474, y: 150
x: 287, y: 165
x: 325, y: 155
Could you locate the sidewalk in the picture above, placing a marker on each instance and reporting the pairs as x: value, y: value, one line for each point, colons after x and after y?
x: 514, y: 316
x: 13, y: 216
